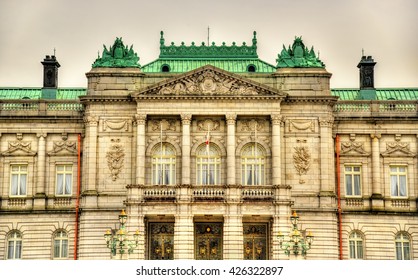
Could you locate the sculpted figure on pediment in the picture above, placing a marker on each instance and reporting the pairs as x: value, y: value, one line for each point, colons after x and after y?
x: 353, y: 148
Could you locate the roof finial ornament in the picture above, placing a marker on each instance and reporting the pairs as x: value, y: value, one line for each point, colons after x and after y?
x: 255, y: 38
x: 162, y: 41
x: 208, y: 35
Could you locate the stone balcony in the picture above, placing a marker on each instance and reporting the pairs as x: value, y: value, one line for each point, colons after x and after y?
x: 215, y: 193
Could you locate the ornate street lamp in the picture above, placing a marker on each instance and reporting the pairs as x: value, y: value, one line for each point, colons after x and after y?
x: 296, y: 243
x: 118, y: 240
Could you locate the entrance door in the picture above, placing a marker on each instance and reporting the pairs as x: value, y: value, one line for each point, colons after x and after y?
x: 208, y: 241
x: 255, y: 241
x: 161, y: 241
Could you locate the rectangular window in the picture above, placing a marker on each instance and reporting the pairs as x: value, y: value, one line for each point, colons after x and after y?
x: 64, y: 181
x: 18, y: 179
x: 398, y: 181
x: 352, y: 180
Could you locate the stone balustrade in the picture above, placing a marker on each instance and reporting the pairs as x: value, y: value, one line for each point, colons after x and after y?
x: 40, y: 107
x: 376, y: 108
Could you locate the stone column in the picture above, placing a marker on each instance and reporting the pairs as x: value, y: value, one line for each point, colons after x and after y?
x: 326, y: 155
x: 90, y: 154
x: 40, y: 179
x: 186, y: 120
x: 281, y: 219
x: 141, y: 120
x: 377, y: 198
x: 275, y: 150
x: 40, y: 191
x: 230, y: 149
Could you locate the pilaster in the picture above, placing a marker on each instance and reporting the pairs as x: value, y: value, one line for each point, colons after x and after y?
x: 186, y: 120
x: 327, y: 174
x: 230, y: 148
x: 90, y: 156
x: 40, y: 193
x: 376, y: 198
x: 276, y: 149
x: 141, y: 120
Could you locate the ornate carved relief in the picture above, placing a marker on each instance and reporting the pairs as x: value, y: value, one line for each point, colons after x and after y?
x: 169, y: 139
x: 63, y: 147
x: 302, y: 125
x: 253, y: 125
x: 186, y: 118
x: 164, y: 124
x: 260, y: 139
x: 141, y: 119
x: 115, y: 124
x: 19, y: 147
x: 398, y: 149
x: 91, y: 120
x: 208, y: 82
x: 353, y: 148
x: 208, y: 124
x: 115, y: 157
x: 301, y: 161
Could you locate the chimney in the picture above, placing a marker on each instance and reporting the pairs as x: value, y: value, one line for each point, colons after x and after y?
x: 367, y: 90
x: 51, y: 65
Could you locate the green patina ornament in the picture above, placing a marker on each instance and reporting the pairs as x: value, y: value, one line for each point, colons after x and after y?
x: 208, y: 50
x: 118, y: 56
x: 298, y: 56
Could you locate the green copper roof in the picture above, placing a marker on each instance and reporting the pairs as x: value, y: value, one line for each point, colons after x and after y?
x: 233, y: 58
x: 231, y: 65
x: 381, y: 93
x: 36, y: 93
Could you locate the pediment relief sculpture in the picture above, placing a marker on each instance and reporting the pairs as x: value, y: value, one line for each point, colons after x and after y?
x: 164, y: 125
x: 395, y: 149
x: 209, y: 81
x: 252, y: 125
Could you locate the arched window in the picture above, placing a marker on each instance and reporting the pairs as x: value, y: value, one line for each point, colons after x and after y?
x: 252, y: 165
x: 61, y: 245
x: 14, y: 246
x: 208, y: 165
x: 403, y: 248
x: 251, y: 68
x: 165, y: 68
x: 164, y: 165
x: 355, y: 241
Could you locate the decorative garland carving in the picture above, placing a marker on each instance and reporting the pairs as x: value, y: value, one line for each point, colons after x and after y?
x: 301, y: 161
x: 115, y: 158
x: 302, y: 125
x: 115, y: 125
x: 16, y: 146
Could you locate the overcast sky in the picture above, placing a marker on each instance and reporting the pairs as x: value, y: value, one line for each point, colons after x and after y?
x: 339, y: 30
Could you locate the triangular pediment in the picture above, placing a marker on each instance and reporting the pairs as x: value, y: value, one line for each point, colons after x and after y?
x: 209, y: 81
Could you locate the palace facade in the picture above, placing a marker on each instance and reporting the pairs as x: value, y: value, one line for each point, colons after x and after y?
x: 209, y: 150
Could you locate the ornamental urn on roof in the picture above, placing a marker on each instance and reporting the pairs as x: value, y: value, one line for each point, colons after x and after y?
x: 298, y: 56
x: 118, y: 56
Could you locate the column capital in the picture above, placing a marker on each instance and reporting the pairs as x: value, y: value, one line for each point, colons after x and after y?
x: 140, y: 119
x: 91, y: 120
x: 375, y: 135
x: 276, y: 119
x: 186, y: 118
x: 326, y: 122
x: 231, y: 119
x: 41, y: 135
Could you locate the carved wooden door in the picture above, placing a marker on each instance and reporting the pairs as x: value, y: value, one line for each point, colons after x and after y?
x: 208, y: 241
x: 255, y: 241
x: 161, y: 241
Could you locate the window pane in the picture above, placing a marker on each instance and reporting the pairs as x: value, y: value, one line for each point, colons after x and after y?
x: 402, y: 185
x: 349, y: 184
x: 56, y: 248
x: 398, y: 250
x: 10, y: 251
x: 357, y: 185
x: 360, y: 249
x: 406, y: 250
x: 14, y: 186
x: 394, y: 185
x: 22, y: 188
x: 352, y: 250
